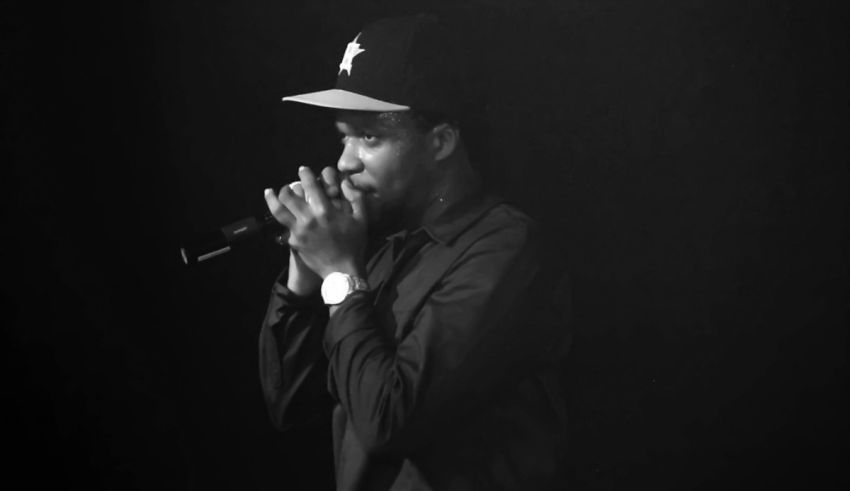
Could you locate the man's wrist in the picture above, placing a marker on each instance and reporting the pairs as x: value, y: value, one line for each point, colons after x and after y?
x: 302, y: 288
x: 302, y: 284
x: 351, y: 268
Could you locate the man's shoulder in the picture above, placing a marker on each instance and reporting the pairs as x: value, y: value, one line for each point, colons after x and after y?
x: 507, y: 227
x: 506, y: 213
x: 504, y: 220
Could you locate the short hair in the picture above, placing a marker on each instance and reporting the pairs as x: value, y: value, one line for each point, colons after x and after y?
x: 473, y: 130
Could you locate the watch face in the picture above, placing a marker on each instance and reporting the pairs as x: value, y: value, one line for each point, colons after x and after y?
x: 335, y: 288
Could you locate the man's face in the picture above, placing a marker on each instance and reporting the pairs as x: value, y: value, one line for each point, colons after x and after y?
x: 390, y: 160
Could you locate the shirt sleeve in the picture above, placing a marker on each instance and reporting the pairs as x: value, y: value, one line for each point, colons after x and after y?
x: 476, y: 330
x: 292, y: 363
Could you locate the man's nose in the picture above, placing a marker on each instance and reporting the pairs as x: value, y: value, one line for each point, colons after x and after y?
x: 349, y: 161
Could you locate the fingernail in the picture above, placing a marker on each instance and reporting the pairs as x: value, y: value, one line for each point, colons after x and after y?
x: 267, y: 191
x: 302, y: 168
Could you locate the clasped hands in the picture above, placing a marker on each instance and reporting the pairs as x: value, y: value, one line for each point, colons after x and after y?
x: 326, y: 224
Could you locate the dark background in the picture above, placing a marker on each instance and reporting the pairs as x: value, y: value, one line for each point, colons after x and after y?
x: 690, y: 155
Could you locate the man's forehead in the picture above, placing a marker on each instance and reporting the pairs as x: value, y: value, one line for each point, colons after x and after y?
x: 374, y: 120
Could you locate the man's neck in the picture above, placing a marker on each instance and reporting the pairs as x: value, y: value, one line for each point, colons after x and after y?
x: 455, y: 186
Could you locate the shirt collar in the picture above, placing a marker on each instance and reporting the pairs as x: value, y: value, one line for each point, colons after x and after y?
x: 456, y: 218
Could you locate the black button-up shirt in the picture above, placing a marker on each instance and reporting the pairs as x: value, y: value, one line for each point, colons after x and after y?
x: 445, y: 375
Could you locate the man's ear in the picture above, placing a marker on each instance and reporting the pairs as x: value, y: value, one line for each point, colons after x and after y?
x: 445, y: 139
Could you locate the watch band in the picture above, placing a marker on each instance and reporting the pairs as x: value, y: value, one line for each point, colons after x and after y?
x: 360, y: 285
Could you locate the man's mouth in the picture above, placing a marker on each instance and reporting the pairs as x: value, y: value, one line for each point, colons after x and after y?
x: 360, y: 187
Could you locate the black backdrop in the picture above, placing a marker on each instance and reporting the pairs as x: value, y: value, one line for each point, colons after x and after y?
x: 691, y: 156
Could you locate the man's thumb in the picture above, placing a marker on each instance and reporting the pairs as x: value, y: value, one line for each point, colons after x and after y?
x: 355, y: 197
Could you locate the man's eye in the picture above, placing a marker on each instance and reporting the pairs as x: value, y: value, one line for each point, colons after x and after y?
x: 370, y: 138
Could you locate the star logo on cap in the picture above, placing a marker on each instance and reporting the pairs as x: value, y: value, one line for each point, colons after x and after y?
x: 352, y: 50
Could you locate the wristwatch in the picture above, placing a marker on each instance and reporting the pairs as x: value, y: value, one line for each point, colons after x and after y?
x: 338, y: 286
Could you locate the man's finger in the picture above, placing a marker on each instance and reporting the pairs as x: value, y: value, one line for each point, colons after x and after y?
x: 294, y: 203
x: 297, y: 188
x: 331, y: 182
x: 355, y: 199
x: 313, y: 192
x: 280, y: 213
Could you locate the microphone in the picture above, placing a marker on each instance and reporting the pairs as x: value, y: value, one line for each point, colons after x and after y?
x: 223, y: 240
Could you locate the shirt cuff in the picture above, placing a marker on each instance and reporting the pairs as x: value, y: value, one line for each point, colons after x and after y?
x: 351, y: 315
x: 293, y: 300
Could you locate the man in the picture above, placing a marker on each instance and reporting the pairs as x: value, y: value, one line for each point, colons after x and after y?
x: 420, y: 306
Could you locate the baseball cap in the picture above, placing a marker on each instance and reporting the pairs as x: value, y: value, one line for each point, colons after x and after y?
x: 397, y: 64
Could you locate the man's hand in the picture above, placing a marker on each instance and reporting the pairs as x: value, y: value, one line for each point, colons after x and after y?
x: 326, y: 233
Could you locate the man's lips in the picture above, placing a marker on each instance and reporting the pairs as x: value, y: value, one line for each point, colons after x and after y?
x: 359, y: 186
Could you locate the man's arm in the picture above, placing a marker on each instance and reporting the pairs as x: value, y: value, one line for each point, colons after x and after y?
x: 292, y: 364
x: 474, y: 333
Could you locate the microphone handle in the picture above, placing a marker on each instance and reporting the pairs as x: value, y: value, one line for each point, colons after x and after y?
x: 229, y: 236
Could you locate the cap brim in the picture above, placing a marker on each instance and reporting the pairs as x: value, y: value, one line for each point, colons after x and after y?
x: 343, y: 99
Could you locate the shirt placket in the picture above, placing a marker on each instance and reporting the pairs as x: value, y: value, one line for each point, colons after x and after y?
x: 403, y: 249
